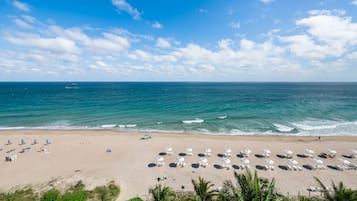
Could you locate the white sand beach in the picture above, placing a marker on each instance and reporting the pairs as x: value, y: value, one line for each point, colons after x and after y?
x: 81, y: 155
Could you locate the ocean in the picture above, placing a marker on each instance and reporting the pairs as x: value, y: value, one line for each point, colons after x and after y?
x: 309, y: 109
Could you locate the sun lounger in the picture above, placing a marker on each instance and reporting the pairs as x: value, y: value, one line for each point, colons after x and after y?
x: 11, y: 158
x: 11, y: 150
x: 147, y: 136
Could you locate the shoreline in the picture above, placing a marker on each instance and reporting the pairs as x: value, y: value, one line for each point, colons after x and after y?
x: 81, y: 155
x: 158, y: 132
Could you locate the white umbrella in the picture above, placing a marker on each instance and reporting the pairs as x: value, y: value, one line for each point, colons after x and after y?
x: 247, y: 151
x: 180, y: 159
x: 309, y: 151
x: 208, y: 150
x: 227, y: 152
x: 169, y: 149
x: 269, y: 162
x: 332, y: 151
x: 203, y: 159
x: 294, y: 162
x: 226, y: 160
x: 318, y: 161
x: 189, y: 149
x: 245, y: 161
x: 266, y: 151
x: 160, y: 159
x: 288, y: 152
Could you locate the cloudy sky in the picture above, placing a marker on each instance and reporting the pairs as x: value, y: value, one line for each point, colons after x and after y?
x: 178, y: 40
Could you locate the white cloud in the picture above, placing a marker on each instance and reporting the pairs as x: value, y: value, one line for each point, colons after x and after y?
x: 20, y: 5
x: 109, y: 42
x: 320, y: 41
x: 266, y: 1
x: 234, y: 25
x: 163, y: 43
x: 354, y: 2
x: 202, y: 10
x: 57, y: 44
x: 122, y: 5
x: 22, y: 24
x: 327, y: 12
x: 156, y: 25
x: 28, y: 18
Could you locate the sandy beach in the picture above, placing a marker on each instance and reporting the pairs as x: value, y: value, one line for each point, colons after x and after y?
x: 81, y: 155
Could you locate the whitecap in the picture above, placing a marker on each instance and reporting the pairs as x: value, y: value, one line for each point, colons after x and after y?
x: 197, y: 120
x: 108, y: 125
x: 283, y: 128
x: 222, y: 117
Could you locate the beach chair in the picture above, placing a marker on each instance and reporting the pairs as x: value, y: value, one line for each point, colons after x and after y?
x: 1, y: 148
x: 147, y: 136
x: 22, y: 142
x: 48, y: 142
x: 11, y: 158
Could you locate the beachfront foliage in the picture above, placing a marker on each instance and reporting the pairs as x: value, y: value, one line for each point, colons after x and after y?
x: 162, y: 193
x: 77, y: 192
x: 248, y: 187
x: 136, y: 199
x: 203, y: 190
x: 26, y: 194
x: 338, y: 192
x: 50, y: 195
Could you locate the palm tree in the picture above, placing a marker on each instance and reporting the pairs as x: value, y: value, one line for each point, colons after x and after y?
x: 339, y: 192
x: 162, y: 193
x: 203, y: 189
x: 248, y: 187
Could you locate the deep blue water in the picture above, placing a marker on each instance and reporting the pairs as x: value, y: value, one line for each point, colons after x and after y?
x: 244, y: 108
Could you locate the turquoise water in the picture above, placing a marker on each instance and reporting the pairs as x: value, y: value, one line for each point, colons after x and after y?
x: 211, y: 108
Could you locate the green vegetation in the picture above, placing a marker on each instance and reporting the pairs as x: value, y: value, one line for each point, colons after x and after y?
x: 247, y: 187
x: 77, y: 192
x: 244, y: 187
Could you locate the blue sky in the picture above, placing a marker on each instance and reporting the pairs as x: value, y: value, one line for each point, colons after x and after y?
x: 178, y: 40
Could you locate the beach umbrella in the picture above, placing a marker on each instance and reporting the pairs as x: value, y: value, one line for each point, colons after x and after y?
x: 180, y: 159
x: 318, y: 161
x: 203, y: 160
x: 245, y: 161
x: 294, y: 162
x: 208, y: 150
x: 266, y: 151
x: 309, y: 151
x: 227, y: 152
x: 189, y: 149
x: 160, y: 159
x: 247, y: 151
x: 288, y: 151
x: 332, y: 151
x: 226, y: 161
x: 169, y: 149
x: 269, y: 162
